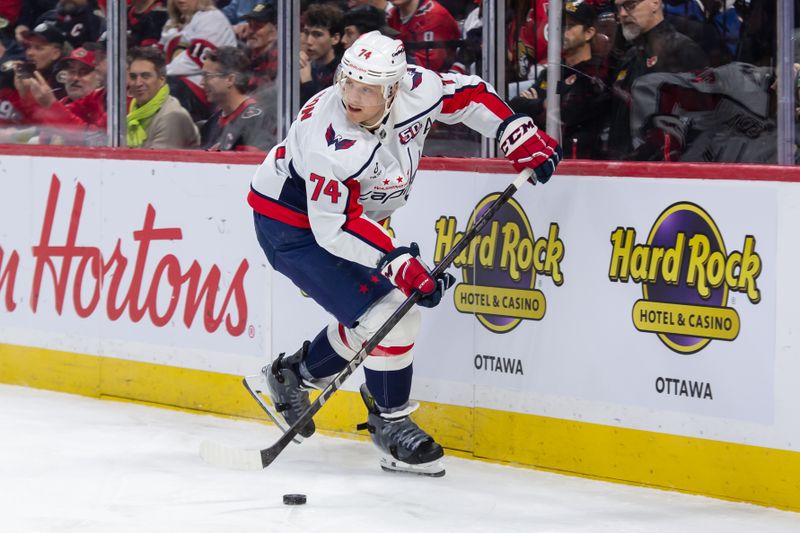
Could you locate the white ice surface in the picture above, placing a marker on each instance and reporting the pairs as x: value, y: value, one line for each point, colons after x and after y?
x: 75, y: 464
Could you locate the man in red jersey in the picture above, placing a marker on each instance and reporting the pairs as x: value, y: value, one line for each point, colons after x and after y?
x: 428, y: 31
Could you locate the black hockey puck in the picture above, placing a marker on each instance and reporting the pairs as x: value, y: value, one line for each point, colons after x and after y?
x: 294, y: 499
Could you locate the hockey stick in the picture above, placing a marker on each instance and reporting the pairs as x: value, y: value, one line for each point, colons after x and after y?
x: 218, y: 454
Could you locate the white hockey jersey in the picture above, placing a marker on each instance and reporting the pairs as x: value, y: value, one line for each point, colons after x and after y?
x: 340, y: 179
x: 207, y: 30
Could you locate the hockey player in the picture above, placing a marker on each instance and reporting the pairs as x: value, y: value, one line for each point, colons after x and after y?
x: 347, y: 163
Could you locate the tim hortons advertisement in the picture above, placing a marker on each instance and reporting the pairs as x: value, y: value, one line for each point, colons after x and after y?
x: 150, y: 261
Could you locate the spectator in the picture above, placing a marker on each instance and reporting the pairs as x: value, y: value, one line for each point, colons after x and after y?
x: 80, y: 74
x: 526, y: 40
x: 78, y: 118
x: 236, y: 11
x: 155, y: 119
x: 654, y: 46
x: 428, y: 30
x: 10, y: 115
x: 9, y: 13
x: 584, y: 95
x: 10, y: 48
x: 77, y: 19
x: 30, y: 13
x: 239, y: 124
x: 468, y: 58
x: 364, y: 19
x: 318, y: 61
x: 260, y: 44
x: 44, y: 47
x: 707, y: 22
x: 383, y: 5
x: 146, y: 19
x: 194, y: 28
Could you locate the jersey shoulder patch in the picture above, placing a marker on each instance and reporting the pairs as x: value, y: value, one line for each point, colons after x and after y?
x: 422, y: 81
x: 251, y: 112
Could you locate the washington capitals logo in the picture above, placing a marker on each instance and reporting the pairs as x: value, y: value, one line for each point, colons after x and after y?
x: 416, y: 78
x: 336, y: 140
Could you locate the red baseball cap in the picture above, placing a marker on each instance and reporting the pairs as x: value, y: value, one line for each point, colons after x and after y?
x: 82, y: 55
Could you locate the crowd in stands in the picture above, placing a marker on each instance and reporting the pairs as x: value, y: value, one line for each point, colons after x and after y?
x: 678, y: 80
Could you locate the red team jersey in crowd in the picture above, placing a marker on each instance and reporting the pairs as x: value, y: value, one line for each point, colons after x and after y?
x: 431, y: 22
x: 9, y: 10
x: 71, y: 120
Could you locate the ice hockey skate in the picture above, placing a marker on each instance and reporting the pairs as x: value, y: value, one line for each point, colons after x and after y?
x: 403, y: 445
x: 282, y: 393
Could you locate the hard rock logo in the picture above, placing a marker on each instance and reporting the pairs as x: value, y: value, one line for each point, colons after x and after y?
x: 686, y: 276
x: 499, y: 267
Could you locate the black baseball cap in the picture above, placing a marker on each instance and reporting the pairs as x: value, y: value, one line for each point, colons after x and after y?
x: 48, y: 31
x: 263, y: 12
x: 580, y: 12
x: 368, y: 18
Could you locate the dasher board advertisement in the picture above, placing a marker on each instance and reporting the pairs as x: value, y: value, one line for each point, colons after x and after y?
x: 655, y: 293
x: 148, y: 261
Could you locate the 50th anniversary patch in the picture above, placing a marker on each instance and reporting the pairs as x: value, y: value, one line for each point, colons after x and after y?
x: 499, y: 267
x: 686, y: 276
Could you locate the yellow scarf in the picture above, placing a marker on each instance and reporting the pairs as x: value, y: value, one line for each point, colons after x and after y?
x: 139, y: 117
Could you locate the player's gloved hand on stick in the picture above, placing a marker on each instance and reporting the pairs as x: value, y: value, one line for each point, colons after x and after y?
x: 529, y: 147
x: 409, y: 274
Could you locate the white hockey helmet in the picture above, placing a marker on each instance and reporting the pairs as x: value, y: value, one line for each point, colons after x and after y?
x: 374, y: 59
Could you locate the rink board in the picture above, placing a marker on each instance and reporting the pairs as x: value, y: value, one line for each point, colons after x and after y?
x: 625, y: 322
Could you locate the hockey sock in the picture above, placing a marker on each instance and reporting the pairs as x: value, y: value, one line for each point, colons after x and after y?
x: 321, y: 360
x: 391, y: 388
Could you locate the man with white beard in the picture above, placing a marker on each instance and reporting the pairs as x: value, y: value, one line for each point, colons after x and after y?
x: 655, y: 46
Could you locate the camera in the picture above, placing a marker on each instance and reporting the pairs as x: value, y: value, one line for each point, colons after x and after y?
x: 25, y: 69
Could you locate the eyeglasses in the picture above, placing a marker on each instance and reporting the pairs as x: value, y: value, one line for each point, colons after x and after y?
x: 628, y: 6
x: 205, y: 76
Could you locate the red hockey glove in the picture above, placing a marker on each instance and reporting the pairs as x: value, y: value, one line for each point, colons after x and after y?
x: 528, y: 147
x: 409, y: 274
x: 405, y: 271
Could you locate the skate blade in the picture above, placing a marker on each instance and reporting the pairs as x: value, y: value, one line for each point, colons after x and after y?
x: 432, y: 469
x: 257, y: 387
